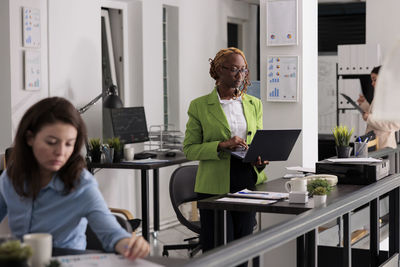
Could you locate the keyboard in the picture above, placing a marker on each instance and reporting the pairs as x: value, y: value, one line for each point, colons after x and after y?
x: 145, y: 155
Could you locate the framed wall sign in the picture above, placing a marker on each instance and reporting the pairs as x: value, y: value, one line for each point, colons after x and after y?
x: 282, y: 81
x: 32, y: 70
x: 31, y: 27
x: 281, y: 22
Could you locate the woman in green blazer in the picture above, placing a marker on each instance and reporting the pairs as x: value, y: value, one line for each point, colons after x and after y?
x: 227, y: 118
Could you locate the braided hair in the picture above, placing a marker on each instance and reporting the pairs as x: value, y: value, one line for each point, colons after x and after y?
x: 219, y: 59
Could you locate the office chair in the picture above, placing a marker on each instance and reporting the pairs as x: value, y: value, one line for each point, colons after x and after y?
x: 181, y: 190
x: 373, y: 145
x: 127, y: 222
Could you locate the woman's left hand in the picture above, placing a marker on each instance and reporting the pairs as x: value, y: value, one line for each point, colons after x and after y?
x: 134, y: 247
x: 261, y: 164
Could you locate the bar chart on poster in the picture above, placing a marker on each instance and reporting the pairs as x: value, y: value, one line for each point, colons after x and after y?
x: 282, y: 82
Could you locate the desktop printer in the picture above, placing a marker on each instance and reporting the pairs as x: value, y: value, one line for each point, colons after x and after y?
x: 354, y: 173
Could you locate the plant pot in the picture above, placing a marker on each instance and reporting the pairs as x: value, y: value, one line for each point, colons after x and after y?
x: 319, y: 200
x: 96, y: 155
x: 118, y: 156
x: 343, y: 151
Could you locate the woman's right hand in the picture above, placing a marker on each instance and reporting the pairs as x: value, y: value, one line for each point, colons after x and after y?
x: 233, y: 143
x: 361, y: 99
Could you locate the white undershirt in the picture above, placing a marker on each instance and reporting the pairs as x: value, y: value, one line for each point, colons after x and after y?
x: 233, y: 109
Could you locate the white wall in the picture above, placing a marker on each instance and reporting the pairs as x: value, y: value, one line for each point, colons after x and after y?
x: 5, y: 76
x: 16, y: 100
x: 302, y: 114
x: 383, y: 23
x: 75, y: 56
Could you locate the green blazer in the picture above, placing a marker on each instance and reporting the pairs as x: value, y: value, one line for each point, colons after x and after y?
x: 206, y: 127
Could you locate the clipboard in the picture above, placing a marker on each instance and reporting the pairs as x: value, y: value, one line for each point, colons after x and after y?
x: 354, y: 104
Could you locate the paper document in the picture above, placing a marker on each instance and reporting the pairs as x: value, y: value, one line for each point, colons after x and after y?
x: 293, y: 175
x: 149, y: 160
x: 102, y: 260
x: 259, y: 194
x: 300, y: 169
x: 246, y: 200
x: 355, y: 160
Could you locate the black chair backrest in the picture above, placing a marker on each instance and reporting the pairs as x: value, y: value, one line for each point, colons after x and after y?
x: 181, y: 190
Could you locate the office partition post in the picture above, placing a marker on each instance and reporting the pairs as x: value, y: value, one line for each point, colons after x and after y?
x: 394, y: 221
x: 256, y: 262
x: 374, y: 236
x: 346, y: 240
x: 300, y: 248
x: 145, y: 205
x: 312, y: 248
x: 219, y: 228
x: 156, y: 204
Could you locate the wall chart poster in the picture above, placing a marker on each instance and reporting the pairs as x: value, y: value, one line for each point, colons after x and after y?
x: 281, y: 22
x: 32, y: 70
x: 31, y: 27
x: 282, y: 79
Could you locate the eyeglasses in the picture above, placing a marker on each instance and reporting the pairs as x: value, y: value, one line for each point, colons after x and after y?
x: 236, y: 70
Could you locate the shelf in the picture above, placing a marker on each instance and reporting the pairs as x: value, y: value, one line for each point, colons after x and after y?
x: 165, y: 137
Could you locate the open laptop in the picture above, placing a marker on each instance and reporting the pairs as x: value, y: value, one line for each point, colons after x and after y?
x: 271, y: 145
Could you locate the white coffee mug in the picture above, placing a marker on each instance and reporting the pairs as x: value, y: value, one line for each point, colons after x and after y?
x: 129, y: 153
x: 42, y: 245
x: 296, y: 185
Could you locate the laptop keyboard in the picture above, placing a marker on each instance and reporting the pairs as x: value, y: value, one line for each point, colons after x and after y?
x: 240, y: 154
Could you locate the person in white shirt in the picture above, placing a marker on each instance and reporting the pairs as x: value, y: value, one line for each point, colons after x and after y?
x: 384, y: 130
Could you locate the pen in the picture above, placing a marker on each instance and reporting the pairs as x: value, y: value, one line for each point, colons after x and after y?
x: 359, y: 139
x: 366, y: 140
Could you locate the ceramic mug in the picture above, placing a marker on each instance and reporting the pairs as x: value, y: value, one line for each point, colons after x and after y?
x: 296, y: 185
x: 129, y: 152
x: 42, y: 245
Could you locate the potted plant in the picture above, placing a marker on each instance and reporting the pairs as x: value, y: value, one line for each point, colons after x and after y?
x: 342, y: 137
x: 117, y: 145
x: 95, y: 149
x: 13, y: 253
x: 319, y: 188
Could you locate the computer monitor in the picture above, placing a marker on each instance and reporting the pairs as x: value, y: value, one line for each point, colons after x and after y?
x: 129, y: 124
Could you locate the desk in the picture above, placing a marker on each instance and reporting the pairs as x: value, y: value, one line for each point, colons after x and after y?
x: 342, y: 200
x: 164, y: 261
x: 145, y: 167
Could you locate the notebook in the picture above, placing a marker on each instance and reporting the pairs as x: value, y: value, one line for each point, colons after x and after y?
x: 271, y: 145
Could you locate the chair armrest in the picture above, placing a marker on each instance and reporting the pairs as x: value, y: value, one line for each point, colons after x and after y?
x: 127, y: 214
x: 134, y: 223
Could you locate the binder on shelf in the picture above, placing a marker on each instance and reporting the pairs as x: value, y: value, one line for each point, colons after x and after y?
x: 373, y: 56
x: 353, y: 59
x: 343, y: 59
x: 361, y: 59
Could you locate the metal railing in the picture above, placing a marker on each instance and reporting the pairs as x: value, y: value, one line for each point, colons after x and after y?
x: 268, y: 239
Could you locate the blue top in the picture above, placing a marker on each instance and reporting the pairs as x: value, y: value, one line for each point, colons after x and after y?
x: 65, y: 217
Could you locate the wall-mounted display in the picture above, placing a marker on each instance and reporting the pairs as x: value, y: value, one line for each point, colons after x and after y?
x: 31, y: 27
x: 282, y: 82
x: 281, y: 22
x: 32, y: 70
